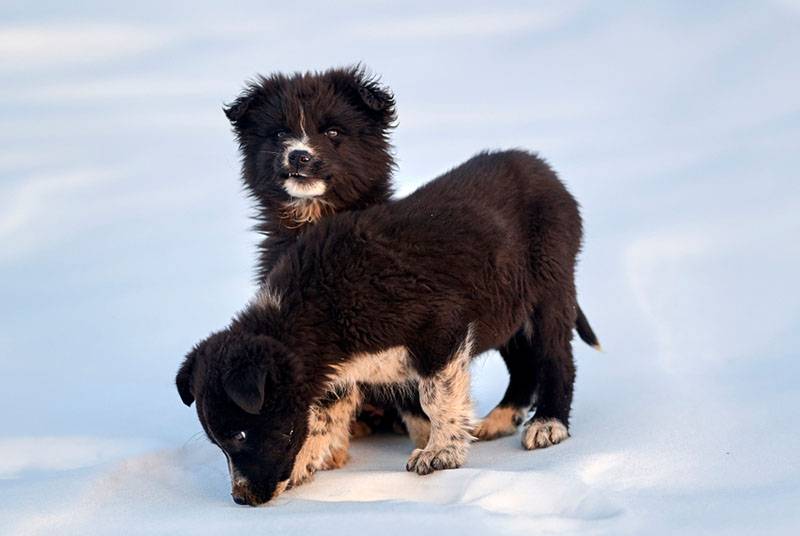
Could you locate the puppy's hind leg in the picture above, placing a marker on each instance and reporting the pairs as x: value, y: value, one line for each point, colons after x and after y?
x: 445, y: 398
x: 552, y: 352
x: 414, y: 418
x: 520, y: 359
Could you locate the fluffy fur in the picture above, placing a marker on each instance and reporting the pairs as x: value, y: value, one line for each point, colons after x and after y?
x: 282, y: 118
x: 276, y: 116
x: 402, y: 293
x: 340, y: 120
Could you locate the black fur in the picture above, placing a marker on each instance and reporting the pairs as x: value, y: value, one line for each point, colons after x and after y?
x: 356, y: 165
x: 491, y: 244
x: 357, y: 168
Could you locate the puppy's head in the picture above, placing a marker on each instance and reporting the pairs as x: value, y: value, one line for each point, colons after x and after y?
x: 317, y: 139
x: 246, y: 392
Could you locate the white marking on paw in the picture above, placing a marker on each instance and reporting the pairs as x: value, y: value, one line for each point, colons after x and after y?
x: 539, y: 434
x: 425, y: 461
x: 445, y: 399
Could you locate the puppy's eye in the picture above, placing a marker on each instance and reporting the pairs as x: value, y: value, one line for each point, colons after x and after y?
x: 281, y: 134
x: 332, y: 132
x: 241, y: 437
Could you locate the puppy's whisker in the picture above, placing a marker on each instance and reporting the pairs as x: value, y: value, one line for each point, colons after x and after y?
x: 194, y: 437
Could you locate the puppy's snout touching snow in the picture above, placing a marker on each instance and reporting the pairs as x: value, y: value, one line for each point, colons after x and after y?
x: 242, y: 495
x: 239, y: 499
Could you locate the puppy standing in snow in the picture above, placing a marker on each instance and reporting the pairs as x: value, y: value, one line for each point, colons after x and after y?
x: 399, y: 294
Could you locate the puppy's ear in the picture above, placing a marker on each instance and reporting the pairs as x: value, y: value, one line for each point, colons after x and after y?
x: 183, y: 380
x: 245, y: 386
x: 377, y: 98
x: 236, y: 110
x: 250, y: 358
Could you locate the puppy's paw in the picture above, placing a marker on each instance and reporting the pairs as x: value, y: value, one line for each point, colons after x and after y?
x: 501, y: 421
x: 282, y: 486
x: 426, y: 461
x: 359, y: 429
x: 337, y: 458
x: 542, y: 433
x: 301, y: 476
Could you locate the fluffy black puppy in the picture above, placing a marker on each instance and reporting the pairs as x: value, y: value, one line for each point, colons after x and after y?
x: 315, y: 144
x: 312, y: 144
x: 404, y: 293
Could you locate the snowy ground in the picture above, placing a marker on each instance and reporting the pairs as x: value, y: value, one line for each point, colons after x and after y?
x: 125, y: 239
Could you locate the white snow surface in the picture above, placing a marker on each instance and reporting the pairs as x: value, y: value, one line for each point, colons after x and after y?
x: 126, y: 238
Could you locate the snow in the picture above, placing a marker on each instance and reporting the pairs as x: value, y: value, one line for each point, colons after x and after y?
x: 125, y: 239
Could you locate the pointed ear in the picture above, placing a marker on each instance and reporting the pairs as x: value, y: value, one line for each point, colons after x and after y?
x: 183, y: 380
x: 245, y: 386
x: 376, y: 98
x: 237, y: 110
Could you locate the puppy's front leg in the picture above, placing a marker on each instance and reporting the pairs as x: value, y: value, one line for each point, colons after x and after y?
x: 445, y: 399
x: 328, y: 435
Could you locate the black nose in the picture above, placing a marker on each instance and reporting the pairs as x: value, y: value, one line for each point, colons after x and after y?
x: 238, y: 499
x: 298, y: 159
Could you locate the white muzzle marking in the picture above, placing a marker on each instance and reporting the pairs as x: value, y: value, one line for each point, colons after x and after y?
x: 295, y: 144
x: 304, y: 189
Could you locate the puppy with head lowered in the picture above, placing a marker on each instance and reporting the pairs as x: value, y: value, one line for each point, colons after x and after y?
x: 397, y: 295
x: 312, y: 145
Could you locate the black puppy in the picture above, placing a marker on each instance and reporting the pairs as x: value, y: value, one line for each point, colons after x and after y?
x: 316, y: 144
x: 312, y: 144
x: 401, y: 294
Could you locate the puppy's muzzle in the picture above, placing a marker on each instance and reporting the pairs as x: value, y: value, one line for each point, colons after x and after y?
x: 299, y: 160
x: 242, y: 495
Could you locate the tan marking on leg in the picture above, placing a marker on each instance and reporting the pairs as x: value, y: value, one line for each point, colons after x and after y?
x: 543, y: 433
x: 338, y: 458
x: 390, y: 366
x: 359, y: 430
x: 501, y: 421
x: 445, y: 398
x: 282, y: 486
x: 419, y: 429
x: 328, y: 438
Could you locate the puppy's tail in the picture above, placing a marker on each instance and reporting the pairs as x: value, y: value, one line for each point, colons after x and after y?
x: 585, y: 331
